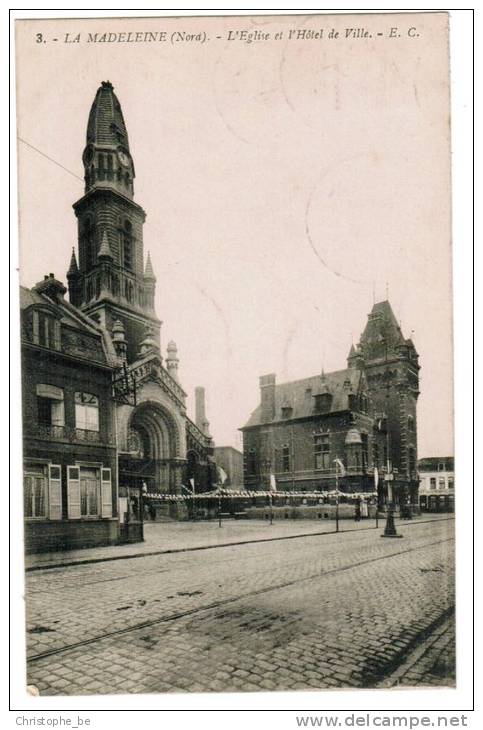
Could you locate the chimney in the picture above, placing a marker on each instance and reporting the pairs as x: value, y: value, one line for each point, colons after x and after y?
x: 200, y: 414
x: 50, y: 286
x: 267, y: 395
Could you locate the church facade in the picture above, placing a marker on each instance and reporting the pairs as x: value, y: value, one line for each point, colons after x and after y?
x: 355, y: 429
x: 111, y: 288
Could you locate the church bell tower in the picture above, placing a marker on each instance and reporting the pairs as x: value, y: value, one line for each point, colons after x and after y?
x: 111, y: 282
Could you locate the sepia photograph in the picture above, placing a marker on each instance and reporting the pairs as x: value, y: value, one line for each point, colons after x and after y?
x: 236, y: 334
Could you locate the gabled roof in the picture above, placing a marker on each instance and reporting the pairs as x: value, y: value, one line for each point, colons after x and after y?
x: 300, y: 395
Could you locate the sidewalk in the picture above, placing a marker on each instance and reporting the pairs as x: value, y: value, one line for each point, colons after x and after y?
x: 168, y: 537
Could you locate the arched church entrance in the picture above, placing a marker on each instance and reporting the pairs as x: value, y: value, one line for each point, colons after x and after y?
x: 152, y: 457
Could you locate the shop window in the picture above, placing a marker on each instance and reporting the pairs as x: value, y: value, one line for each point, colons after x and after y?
x: 50, y: 405
x: 86, y: 412
x: 321, y: 451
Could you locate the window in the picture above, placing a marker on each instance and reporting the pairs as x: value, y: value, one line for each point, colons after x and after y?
x: 321, y: 451
x: 286, y: 411
x: 450, y: 482
x: 89, y: 492
x: 410, y: 424
x: 375, y: 453
x: 442, y: 483
x: 35, y: 491
x: 45, y: 330
x: 86, y: 412
x: 43, y: 491
x: 252, y: 462
x: 365, y: 450
x: 127, y: 252
x: 432, y: 483
x: 50, y: 405
x: 412, y: 460
x: 285, y: 458
x: 440, y: 466
x: 89, y: 244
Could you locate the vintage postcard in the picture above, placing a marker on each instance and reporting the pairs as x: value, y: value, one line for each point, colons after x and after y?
x: 236, y: 336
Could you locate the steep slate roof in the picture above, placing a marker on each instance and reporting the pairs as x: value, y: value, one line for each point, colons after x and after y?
x: 106, y: 119
x: 73, y: 318
x: 297, y: 396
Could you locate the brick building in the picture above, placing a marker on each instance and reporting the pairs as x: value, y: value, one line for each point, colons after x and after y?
x: 364, y: 416
x: 70, y: 488
x: 231, y: 461
x: 436, y: 488
x: 152, y: 444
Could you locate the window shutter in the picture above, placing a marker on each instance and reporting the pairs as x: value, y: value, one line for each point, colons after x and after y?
x: 73, y: 493
x: 106, y: 489
x: 55, y: 492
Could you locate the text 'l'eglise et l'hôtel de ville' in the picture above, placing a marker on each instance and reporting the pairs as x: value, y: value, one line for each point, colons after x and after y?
x: 87, y: 444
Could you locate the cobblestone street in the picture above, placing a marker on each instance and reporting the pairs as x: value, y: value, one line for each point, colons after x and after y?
x: 347, y: 610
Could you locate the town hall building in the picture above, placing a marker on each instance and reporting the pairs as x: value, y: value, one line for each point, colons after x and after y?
x: 354, y: 429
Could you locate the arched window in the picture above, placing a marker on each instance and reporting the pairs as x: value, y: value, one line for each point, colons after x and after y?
x: 127, y: 245
x: 89, y: 244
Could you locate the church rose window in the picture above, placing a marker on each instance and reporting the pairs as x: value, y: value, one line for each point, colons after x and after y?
x: 86, y: 412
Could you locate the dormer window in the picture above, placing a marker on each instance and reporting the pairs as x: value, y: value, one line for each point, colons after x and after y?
x: 322, y: 402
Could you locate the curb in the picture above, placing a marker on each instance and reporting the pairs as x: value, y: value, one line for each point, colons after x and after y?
x: 171, y: 551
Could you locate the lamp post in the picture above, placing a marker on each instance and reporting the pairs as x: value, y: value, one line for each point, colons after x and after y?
x: 336, y: 495
x: 390, y: 528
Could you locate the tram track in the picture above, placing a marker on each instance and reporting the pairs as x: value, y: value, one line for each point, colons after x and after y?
x: 226, y: 601
x: 237, y: 543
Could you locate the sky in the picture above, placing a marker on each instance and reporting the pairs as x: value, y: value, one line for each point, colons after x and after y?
x: 287, y: 184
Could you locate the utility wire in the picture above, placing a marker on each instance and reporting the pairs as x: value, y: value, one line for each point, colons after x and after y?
x: 49, y: 158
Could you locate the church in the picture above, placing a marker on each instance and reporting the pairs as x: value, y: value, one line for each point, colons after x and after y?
x: 354, y: 430
x: 114, y: 423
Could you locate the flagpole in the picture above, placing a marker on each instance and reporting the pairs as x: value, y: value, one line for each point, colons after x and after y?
x: 336, y: 496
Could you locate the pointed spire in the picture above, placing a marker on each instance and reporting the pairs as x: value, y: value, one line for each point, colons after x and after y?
x: 105, y: 249
x: 148, y: 271
x: 73, y: 268
x: 352, y: 351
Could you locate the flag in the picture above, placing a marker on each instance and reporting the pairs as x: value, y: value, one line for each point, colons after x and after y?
x: 222, y: 475
x: 273, y: 483
x: 339, y: 463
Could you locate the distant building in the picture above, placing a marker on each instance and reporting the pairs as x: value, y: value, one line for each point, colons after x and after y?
x: 364, y: 416
x: 436, y: 487
x: 231, y: 461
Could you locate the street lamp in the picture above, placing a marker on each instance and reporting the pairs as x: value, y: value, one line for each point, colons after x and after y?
x: 390, y: 528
